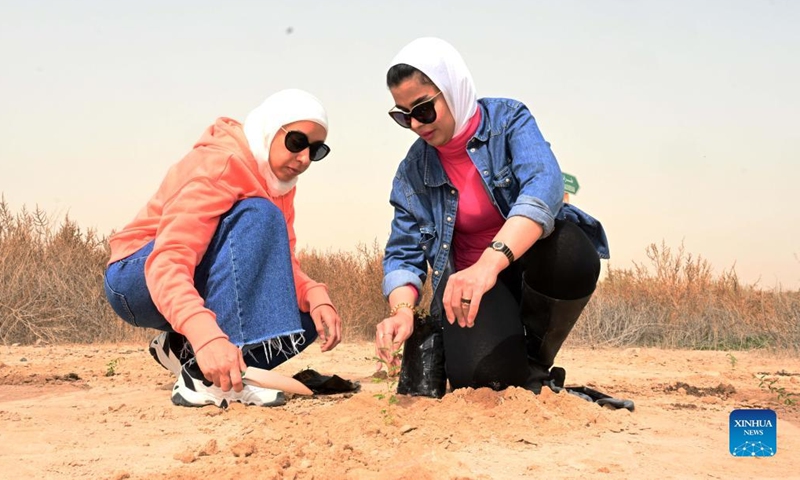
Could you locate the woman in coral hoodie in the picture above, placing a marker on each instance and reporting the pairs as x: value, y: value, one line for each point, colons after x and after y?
x: 210, y: 259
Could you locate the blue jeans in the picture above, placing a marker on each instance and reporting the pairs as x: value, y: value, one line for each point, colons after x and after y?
x: 245, y: 278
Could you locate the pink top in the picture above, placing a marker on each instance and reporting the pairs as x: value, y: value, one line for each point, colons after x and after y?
x: 477, y: 219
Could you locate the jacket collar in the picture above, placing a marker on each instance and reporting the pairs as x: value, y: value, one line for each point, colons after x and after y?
x: 432, y: 166
x: 484, y: 129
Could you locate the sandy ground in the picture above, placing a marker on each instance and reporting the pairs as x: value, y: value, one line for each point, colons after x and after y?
x: 62, y: 416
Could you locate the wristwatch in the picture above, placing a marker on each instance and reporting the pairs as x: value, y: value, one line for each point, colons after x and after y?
x: 503, y: 248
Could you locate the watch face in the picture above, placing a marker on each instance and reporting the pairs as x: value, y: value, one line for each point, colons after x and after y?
x: 501, y: 247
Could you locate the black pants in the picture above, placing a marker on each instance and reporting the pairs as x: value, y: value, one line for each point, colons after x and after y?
x: 564, y: 266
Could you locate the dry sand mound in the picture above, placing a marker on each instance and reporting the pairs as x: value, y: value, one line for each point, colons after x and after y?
x: 103, y: 411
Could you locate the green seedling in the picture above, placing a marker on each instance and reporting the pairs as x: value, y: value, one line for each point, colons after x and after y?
x: 768, y: 384
x: 732, y: 359
x: 111, y: 367
x: 392, y: 371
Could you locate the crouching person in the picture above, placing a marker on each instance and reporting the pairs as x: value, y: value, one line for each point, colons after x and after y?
x: 210, y: 259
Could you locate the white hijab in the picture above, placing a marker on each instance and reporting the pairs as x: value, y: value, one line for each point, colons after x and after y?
x: 442, y: 63
x: 261, y: 125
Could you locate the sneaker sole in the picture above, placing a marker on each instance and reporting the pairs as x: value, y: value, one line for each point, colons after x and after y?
x: 186, y: 397
x: 202, y: 401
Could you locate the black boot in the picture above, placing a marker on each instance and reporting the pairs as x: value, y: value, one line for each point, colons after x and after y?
x: 547, y: 322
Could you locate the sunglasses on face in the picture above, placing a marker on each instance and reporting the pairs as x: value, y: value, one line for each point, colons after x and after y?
x: 423, y: 112
x: 296, y: 142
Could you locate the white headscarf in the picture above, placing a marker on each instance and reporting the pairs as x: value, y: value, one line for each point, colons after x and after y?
x: 261, y: 125
x: 442, y: 63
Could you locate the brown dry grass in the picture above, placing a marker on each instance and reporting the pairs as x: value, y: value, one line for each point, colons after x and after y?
x: 51, y: 282
x: 51, y: 290
x: 677, y: 302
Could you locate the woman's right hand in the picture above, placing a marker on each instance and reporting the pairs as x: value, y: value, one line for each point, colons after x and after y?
x: 390, y: 335
x: 222, y: 364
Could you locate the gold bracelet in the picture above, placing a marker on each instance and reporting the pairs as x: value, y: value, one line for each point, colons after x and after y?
x: 400, y: 305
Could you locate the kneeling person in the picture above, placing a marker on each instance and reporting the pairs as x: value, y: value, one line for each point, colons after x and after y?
x: 210, y: 259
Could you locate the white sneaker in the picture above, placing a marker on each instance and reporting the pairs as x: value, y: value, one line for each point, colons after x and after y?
x: 170, y: 350
x: 193, y: 390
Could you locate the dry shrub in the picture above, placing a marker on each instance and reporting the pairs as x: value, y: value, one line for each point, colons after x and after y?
x: 354, y: 283
x: 676, y: 302
x: 51, y: 290
x: 51, y: 282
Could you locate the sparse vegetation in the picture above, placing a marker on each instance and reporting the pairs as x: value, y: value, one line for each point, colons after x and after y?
x: 677, y: 302
x: 51, y: 282
x: 784, y: 396
x: 389, y: 379
x: 732, y: 359
x: 51, y: 290
x: 111, y: 367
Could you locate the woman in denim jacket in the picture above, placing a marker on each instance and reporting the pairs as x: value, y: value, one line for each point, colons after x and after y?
x: 478, y: 205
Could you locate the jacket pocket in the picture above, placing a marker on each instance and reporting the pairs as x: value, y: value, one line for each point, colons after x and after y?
x: 504, y: 186
x: 427, y: 235
x: 504, y: 178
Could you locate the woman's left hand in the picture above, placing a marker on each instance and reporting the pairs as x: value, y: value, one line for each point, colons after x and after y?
x: 328, y: 325
x: 464, y: 290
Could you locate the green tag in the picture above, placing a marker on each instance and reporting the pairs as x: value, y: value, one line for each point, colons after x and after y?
x: 570, y: 183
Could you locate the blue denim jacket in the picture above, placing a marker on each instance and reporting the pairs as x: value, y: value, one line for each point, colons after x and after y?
x: 518, y: 170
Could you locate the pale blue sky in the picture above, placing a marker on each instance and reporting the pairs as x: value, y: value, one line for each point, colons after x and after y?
x: 679, y: 118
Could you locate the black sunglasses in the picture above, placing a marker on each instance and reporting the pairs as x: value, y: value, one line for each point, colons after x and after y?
x: 423, y: 112
x: 296, y: 142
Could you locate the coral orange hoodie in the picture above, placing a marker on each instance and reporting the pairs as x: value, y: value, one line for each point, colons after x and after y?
x: 182, y: 217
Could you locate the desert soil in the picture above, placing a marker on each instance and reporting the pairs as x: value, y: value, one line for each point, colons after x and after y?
x: 104, y: 412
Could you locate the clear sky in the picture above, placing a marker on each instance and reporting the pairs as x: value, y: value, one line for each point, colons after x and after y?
x: 679, y: 118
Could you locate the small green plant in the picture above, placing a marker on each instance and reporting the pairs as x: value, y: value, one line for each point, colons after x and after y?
x: 768, y: 384
x: 732, y: 359
x: 390, y: 380
x: 111, y: 367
